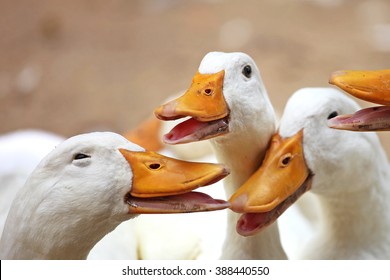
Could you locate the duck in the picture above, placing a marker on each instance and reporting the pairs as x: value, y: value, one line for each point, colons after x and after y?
x: 227, y: 104
x: 91, y: 183
x: 369, y: 85
x: 23, y: 149
x: 347, y: 171
x: 20, y: 152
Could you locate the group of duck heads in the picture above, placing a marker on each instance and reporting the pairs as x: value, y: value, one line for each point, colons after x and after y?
x: 372, y: 86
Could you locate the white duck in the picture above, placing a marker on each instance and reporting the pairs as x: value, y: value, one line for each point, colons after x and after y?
x: 347, y: 171
x: 228, y: 103
x: 90, y: 184
x: 22, y: 150
x: 372, y: 86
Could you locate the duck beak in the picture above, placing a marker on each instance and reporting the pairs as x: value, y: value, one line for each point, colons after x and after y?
x: 278, y: 183
x: 204, y: 103
x: 146, y: 134
x: 372, y: 86
x: 204, y: 100
x: 163, y: 185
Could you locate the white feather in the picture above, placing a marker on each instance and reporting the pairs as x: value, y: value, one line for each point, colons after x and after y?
x: 351, y: 180
x: 67, y: 205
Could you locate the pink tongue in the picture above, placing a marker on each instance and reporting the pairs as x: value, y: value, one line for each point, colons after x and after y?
x: 250, y: 223
x: 192, y: 130
x: 183, y: 131
x: 369, y: 119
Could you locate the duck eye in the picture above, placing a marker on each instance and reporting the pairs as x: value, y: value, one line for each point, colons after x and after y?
x: 332, y: 115
x: 247, y: 71
x: 80, y: 156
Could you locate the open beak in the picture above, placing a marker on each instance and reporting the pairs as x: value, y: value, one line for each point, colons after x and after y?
x: 368, y: 119
x: 282, y: 178
x: 204, y: 103
x: 163, y: 185
x: 372, y: 86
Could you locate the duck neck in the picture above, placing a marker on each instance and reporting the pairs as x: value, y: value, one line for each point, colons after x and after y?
x: 361, y: 216
x: 356, y: 218
x: 244, y: 155
x: 48, y: 235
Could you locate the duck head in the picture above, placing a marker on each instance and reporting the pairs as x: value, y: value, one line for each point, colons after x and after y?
x: 301, y: 156
x: 91, y: 183
x: 225, y: 93
x: 107, y: 172
x: 372, y: 86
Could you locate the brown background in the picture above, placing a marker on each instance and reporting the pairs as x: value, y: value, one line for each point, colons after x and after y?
x: 80, y: 65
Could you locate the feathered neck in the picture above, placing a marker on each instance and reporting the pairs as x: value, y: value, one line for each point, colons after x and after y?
x: 50, y: 240
x: 35, y: 231
x: 356, y: 225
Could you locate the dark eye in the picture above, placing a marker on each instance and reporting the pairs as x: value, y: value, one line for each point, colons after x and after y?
x: 247, y: 71
x: 80, y: 156
x: 332, y: 115
x: 286, y: 160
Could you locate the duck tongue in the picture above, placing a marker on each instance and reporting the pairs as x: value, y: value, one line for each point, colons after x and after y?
x: 182, y: 203
x: 368, y: 119
x: 250, y: 223
x: 193, y: 130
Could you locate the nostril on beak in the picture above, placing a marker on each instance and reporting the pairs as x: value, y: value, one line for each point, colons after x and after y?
x: 208, y: 91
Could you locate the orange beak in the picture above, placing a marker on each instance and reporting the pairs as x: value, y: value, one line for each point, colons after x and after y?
x: 162, y: 185
x: 203, y: 101
x: 372, y: 86
x: 277, y: 184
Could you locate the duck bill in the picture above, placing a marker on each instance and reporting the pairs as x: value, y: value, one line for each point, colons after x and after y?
x: 204, y: 100
x: 161, y: 184
x: 368, y: 119
x: 205, y: 104
x: 278, y: 183
x: 155, y: 175
x: 372, y: 86
x: 146, y: 134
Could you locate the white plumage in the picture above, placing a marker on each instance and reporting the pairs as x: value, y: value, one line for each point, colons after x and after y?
x: 251, y: 123
x: 78, y: 193
x: 351, y: 178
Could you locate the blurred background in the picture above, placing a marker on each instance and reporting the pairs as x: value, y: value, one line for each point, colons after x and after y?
x: 81, y: 65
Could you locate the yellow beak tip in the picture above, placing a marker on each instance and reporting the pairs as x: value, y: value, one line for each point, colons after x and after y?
x: 336, y: 77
